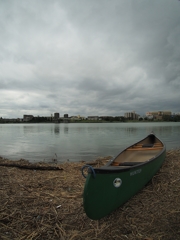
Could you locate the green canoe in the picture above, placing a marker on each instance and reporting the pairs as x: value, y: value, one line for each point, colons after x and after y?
x: 110, y: 186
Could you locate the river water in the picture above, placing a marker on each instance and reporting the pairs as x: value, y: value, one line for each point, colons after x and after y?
x: 79, y: 141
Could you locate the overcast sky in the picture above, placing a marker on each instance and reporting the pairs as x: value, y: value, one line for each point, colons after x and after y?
x: 89, y: 57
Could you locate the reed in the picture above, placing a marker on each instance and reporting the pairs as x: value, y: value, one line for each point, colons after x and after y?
x: 39, y: 204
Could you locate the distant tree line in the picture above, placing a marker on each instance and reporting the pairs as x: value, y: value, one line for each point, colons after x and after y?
x: 165, y: 118
x: 40, y: 119
x: 115, y: 119
x: 173, y: 118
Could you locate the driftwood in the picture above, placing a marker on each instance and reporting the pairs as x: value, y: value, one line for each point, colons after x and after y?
x: 27, y: 165
x: 31, y: 166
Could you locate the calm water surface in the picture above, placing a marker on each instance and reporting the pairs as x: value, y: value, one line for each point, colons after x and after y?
x: 78, y: 141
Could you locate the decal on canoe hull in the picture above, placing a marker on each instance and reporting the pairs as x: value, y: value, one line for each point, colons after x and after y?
x: 117, y: 182
x: 135, y: 172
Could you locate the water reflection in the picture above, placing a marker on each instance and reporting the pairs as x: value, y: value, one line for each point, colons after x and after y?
x: 130, y: 130
x: 161, y: 129
x: 56, y: 129
x: 29, y: 129
x: 66, y: 129
x: 79, y: 141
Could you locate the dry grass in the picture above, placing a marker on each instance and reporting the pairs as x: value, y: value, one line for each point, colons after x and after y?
x: 38, y: 204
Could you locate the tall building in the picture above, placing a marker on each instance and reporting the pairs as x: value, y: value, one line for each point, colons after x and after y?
x: 131, y: 115
x: 56, y: 116
x: 27, y: 118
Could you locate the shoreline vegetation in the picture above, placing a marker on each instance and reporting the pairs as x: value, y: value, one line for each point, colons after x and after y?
x: 89, y: 121
x: 46, y: 204
x: 120, y: 119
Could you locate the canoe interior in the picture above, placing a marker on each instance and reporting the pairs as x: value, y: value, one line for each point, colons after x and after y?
x: 140, y: 152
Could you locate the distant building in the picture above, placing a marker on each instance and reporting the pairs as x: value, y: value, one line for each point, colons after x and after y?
x: 66, y: 118
x: 93, y: 118
x: 56, y: 116
x: 131, y: 115
x: 77, y: 118
x: 10, y: 120
x: 27, y: 118
x: 158, y: 115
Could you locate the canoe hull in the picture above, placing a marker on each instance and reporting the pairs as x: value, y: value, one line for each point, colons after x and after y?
x: 102, y: 195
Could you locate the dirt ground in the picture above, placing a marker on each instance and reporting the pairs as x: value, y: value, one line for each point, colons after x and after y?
x: 48, y: 204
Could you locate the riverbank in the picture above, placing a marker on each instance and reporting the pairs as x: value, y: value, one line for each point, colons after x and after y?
x: 48, y: 204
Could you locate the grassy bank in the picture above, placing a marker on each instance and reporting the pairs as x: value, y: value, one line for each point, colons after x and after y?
x: 48, y: 204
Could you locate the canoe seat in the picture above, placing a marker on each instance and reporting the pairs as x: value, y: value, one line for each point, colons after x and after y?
x: 129, y: 163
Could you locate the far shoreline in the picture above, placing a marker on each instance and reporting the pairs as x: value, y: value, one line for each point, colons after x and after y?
x: 86, y: 121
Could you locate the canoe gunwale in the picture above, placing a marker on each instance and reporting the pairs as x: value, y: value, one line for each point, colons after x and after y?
x: 108, y: 168
x: 117, y: 169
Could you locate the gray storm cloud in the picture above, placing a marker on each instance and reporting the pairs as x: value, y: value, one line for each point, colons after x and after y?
x: 89, y: 57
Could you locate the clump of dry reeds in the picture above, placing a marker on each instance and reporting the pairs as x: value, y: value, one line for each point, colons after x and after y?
x: 38, y: 204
